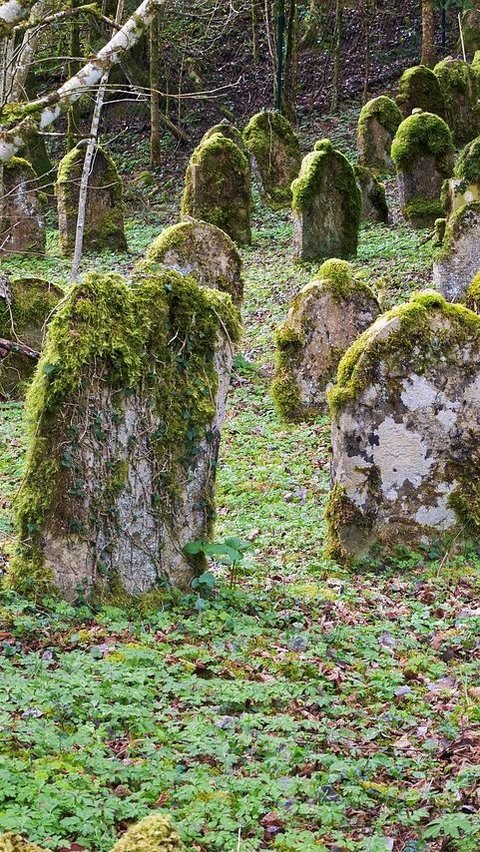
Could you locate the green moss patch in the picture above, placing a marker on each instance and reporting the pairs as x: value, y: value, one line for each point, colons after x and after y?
x: 271, y: 141
x: 423, y: 134
x: 419, y: 88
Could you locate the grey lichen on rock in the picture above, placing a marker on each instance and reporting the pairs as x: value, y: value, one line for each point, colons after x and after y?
x: 460, y: 87
x: 124, y: 416
x: 326, y: 205
x: 199, y: 249
x: 458, y: 259
x: 423, y: 155
x: 218, y: 187
x: 10, y: 842
x: 154, y: 833
x: 275, y: 149
x: 377, y: 125
x: 104, y: 222
x: 26, y: 305
x: 419, y: 88
x: 405, y: 433
x: 324, y: 319
x: 374, y: 199
x: 22, y: 225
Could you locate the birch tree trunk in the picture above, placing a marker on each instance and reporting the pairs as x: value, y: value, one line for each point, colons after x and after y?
x: 155, y: 155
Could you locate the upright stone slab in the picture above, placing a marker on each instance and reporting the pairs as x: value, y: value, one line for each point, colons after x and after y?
x: 419, y: 88
x: 406, y: 434
x: 323, y: 321
x: 22, y: 227
x: 470, y: 32
x: 275, y: 150
x: 104, y: 224
x: 125, y: 412
x: 460, y: 88
x: 458, y: 258
x: 199, y: 249
x: 423, y: 155
x: 26, y: 305
x: 326, y: 205
x: 217, y: 188
x: 377, y: 125
x: 225, y: 128
x: 374, y: 199
x: 464, y: 186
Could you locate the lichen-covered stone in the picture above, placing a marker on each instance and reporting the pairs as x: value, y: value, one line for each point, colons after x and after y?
x: 460, y: 88
x: 326, y: 205
x: 419, y: 88
x: 22, y: 227
x: 201, y: 250
x: 472, y: 298
x: 374, y: 199
x: 458, y: 259
x: 154, y: 833
x: 406, y: 433
x: 26, y: 305
x: 377, y: 125
x: 324, y: 319
x: 104, y: 223
x: 10, y: 842
x: 275, y: 150
x: 225, y: 128
x: 464, y: 186
x: 124, y: 418
x: 423, y: 155
x: 217, y: 187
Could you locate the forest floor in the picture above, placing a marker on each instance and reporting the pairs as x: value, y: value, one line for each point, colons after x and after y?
x: 306, y: 708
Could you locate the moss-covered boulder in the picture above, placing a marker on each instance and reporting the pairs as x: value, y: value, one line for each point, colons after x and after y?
x: 22, y: 225
x: 201, y: 250
x: 323, y: 321
x: 458, y: 259
x: 377, y: 125
x: 154, y: 833
x: 406, y: 434
x: 464, y: 186
x: 326, y: 205
x: 26, y: 305
x: 460, y: 88
x: 374, y: 199
x: 217, y: 187
x: 275, y: 150
x: 423, y: 155
x: 227, y: 129
x: 124, y: 414
x: 104, y: 223
x: 10, y: 842
x: 419, y: 88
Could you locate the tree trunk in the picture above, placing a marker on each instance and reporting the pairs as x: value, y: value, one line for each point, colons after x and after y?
x: 291, y: 63
x: 337, y: 56
x: 255, y: 39
x: 428, y: 33
x: 155, y: 154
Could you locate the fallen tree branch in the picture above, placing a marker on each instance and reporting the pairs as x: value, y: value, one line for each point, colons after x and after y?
x: 7, y: 346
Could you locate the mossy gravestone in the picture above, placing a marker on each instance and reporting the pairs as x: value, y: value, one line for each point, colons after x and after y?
x: 104, y: 225
x: 201, y: 250
x: 125, y: 412
x: 423, y: 155
x: 374, y: 199
x: 406, y: 434
x: 460, y: 88
x: 26, y: 305
x: 458, y: 258
x: 464, y: 186
x: 22, y: 227
x: 225, y: 128
x: 275, y: 150
x: 419, y: 88
x: 377, y: 125
x: 324, y: 319
x: 217, y: 187
x: 326, y: 204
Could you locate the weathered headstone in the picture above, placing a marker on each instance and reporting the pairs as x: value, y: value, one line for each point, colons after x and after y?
x: 377, y: 125
x: 225, y: 128
x: 406, y: 433
x: 104, y: 224
x: 460, y: 88
x: 323, y: 321
x: 374, y: 199
x: 26, y: 305
x: 275, y: 150
x: 199, y: 249
x: 326, y: 205
x: 217, y: 187
x: 470, y: 24
x: 154, y: 833
x: 125, y: 410
x: 419, y: 88
x: 464, y: 186
x: 22, y: 226
x: 423, y: 155
x: 458, y: 258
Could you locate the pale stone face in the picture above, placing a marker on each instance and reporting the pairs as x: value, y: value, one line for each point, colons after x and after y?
x: 453, y: 272
x: 374, y: 147
x: 422, y: 182
x: 23, y: 223
x: 402, y: 446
